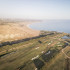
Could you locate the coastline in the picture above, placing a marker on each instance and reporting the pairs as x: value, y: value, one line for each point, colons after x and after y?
x: 17, y: 31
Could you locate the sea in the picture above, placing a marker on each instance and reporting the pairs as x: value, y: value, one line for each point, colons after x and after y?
x: 52, y: 25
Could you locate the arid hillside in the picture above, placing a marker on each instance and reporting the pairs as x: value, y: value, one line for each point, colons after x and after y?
x: 16, y: 30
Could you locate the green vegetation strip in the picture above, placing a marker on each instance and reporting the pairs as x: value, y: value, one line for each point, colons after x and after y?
x: 20, y: 58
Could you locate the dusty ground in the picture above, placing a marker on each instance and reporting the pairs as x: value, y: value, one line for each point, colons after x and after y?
x: 14, y: 31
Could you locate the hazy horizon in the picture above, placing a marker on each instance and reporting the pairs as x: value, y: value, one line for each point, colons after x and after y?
x: 35, y: 9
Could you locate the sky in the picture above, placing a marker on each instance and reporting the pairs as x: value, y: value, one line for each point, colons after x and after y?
x: 35, y: 9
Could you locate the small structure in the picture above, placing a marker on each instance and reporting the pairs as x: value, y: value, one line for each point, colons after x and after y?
x: 49, y: 43
x: 47, y: 53
x: 42, y: 52
x: 37, y: 48
x: 59, y: 45
x: 36, y: 69
x: 35, y: 57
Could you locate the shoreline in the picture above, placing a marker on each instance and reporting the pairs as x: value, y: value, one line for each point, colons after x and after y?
x: 17, y: 31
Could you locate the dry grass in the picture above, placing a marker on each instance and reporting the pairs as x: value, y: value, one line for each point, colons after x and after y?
x: 14, y: 31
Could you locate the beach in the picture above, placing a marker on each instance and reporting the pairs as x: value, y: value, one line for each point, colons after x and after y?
x: 16, y: 31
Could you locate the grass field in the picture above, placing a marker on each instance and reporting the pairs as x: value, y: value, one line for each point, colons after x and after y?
x: 44, y: 53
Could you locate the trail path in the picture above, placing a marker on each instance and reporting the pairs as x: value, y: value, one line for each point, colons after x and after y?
x: 65, y: 54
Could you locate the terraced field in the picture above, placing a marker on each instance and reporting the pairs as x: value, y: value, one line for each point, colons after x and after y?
x: 43, y: 53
